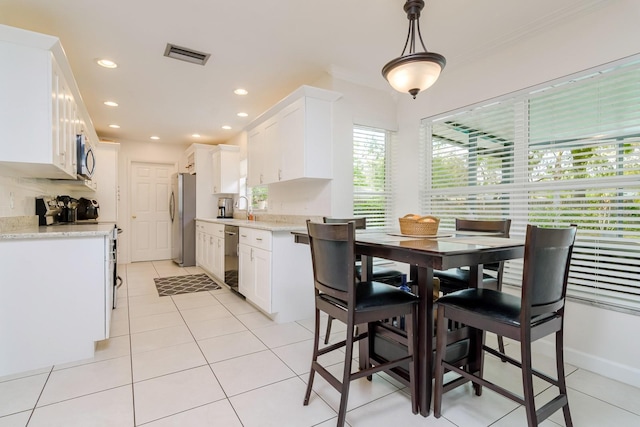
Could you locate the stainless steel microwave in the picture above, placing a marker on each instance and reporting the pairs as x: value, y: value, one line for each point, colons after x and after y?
x: 86, y: 158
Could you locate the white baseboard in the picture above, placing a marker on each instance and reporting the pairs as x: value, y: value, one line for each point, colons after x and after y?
x: 616, y: 371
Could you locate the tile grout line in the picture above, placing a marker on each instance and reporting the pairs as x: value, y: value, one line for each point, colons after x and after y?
x: 133, y: 394
x: 35, y: 406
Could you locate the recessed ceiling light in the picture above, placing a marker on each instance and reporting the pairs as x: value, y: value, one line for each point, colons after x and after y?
x: 196, y: 135
x: 226, y: 127
x: 110, y: 103
x: 240, y: 91
x: 155, y: 137
x: 115, y: 126
x: 106, y: 63
x: 242, y: 114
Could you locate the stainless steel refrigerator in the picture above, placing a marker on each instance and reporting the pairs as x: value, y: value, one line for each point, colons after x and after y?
x: 182, y: 210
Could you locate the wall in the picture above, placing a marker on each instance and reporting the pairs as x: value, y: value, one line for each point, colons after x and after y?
x: 150, y: 152
x: 595, y: 339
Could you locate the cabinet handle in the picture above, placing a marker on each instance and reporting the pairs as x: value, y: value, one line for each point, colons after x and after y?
x: 251, y: 254
x: 279, y: 174
x: 260, y: 178
x: 259, y: 239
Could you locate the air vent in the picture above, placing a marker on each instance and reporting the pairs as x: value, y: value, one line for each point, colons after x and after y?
x: 184, y: 54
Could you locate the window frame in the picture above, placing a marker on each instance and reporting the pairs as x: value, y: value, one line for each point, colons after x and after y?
x: 600, y: 273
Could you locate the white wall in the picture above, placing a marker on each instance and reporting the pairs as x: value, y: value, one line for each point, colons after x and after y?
x: 595, y: 339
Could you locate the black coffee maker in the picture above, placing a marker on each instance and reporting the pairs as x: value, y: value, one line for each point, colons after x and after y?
x: 88, y: 209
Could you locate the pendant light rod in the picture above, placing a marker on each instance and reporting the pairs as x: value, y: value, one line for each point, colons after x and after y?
x: 413, y: 8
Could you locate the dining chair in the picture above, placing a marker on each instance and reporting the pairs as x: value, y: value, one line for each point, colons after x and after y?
x: 339, y: 294
x: 538, y: 312
x: 380, y: 273
x: 455, y: 279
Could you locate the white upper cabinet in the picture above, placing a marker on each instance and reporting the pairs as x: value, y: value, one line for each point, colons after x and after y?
x: 226, y: 169
x: 294, y: 139
x: 41, y: 111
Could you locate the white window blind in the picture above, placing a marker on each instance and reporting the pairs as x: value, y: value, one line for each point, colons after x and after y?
x: 565, y: 153
x: 372, y: 190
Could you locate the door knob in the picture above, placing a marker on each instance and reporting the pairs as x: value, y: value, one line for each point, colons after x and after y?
x: 133, y: 216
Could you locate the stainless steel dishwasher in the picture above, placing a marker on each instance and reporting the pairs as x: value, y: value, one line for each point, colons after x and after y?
x: 231, y: 240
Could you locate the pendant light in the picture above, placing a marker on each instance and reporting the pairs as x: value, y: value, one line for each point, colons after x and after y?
x: 415, y: 71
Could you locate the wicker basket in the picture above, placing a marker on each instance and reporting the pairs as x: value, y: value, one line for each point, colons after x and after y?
x: 419, y: 226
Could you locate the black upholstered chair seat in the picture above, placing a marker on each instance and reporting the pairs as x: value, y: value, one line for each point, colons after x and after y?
x: 495, y: 305
x: 373, y: 295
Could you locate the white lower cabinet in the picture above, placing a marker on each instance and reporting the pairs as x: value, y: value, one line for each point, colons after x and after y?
x: 210, y: 248
x: 53, y: 313
x: 275, y: 274
x: 254, y: 269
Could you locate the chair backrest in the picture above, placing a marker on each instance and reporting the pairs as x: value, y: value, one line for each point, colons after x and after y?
x: 547, y: 256
x: 501, y: 227
x: 333, y: 257
x: 361, y: 223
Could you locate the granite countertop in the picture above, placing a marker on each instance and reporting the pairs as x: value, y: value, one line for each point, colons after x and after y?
x: 58, y: 231
x: 261, y: 225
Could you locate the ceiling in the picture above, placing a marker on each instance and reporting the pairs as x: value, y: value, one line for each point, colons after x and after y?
x: 267, y: 47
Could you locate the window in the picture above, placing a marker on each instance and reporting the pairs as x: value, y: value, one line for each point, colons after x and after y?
x: 568, y: 152
x: 372, y: 195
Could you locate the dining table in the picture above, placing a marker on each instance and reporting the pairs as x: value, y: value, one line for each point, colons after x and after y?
x: 424, y: 254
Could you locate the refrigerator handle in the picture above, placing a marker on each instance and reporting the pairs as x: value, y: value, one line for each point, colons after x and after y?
x: 172, y: 207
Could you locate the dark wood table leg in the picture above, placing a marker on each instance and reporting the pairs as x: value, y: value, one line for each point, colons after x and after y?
x: 424, y: 280
x: 363, y: 345
x: 477, y: 337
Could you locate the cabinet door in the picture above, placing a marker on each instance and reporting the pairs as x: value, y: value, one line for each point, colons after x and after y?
x: 226, y: 170
x: 292, y: 123
x: 262, y: 279
x: 245, y: 271
x: 216, y: 184
x: 56, y: 104
x: 199, y: 246
x: 272, y: 155
x: 255, y: 150
x: 217, y: 258
x: 211, y: 252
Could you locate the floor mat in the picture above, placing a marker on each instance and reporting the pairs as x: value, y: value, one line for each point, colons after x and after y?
x: 184, y: 284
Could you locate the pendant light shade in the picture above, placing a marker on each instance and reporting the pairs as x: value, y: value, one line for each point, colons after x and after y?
x: 414, y: 72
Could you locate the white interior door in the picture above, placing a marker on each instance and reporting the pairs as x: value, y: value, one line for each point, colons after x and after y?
x: 150, y: 222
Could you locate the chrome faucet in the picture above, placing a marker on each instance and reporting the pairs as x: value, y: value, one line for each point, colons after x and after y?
x: 238, y: 205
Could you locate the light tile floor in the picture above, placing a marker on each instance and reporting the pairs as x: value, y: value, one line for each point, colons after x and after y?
x: 211, y: 359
